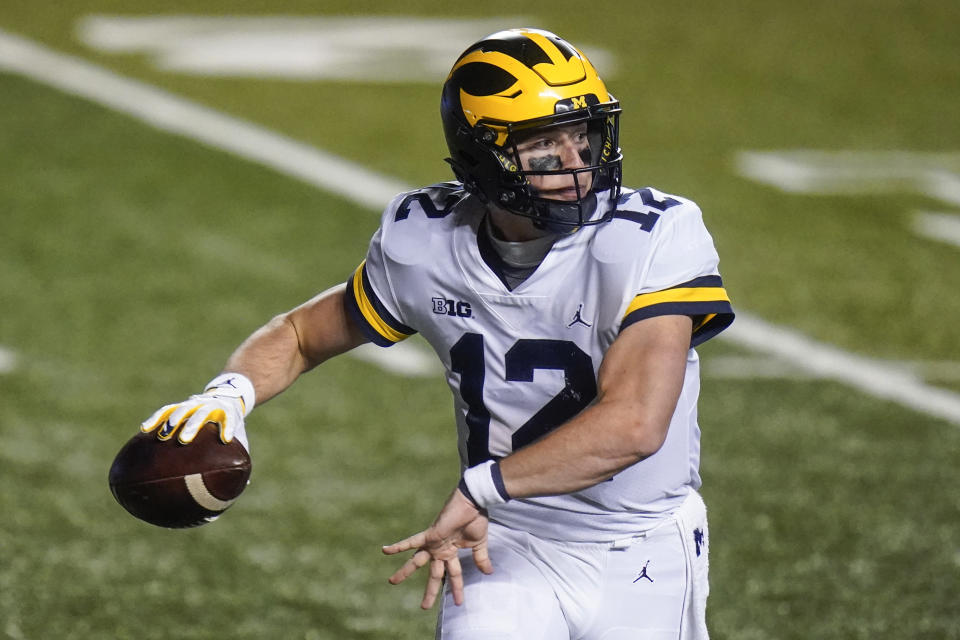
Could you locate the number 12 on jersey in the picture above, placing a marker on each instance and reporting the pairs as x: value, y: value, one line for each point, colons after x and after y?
x: 520, y: 361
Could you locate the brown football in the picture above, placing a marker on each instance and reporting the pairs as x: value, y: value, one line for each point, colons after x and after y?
x: 179, y: 485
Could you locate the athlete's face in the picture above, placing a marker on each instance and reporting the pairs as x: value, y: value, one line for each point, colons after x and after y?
x: 553, y: 149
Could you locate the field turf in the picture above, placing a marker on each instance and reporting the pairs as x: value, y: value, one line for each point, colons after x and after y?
x: 132, y: 261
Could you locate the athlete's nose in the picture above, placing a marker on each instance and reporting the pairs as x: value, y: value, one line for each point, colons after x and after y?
x: 571, y: 154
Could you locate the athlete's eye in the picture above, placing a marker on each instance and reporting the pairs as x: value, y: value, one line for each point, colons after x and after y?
x: 540, y: 144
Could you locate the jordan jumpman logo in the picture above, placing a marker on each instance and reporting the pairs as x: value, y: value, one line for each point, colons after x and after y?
x: 643, y: 573
x: 577, y: 318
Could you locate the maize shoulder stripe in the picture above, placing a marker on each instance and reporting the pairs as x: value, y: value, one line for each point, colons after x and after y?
x: 372, y: 317
x: 704, y: 299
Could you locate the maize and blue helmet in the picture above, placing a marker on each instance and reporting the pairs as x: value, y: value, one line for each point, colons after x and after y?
x: 508, y: 84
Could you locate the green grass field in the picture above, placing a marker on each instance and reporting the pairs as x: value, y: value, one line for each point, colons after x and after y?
x: 132, y: 261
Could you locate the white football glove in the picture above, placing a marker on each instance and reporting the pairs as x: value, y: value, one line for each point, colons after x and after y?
x: 226, y: 400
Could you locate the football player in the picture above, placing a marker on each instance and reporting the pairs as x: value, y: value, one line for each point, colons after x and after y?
x: 565, y: 309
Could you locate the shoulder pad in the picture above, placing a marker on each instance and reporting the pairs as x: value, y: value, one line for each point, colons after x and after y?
x: 645, y: 206
x: 436, y: 201
x: 415, y: 218
x: 648, y: 199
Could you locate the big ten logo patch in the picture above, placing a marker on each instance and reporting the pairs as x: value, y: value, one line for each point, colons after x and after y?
x: 453, y: 308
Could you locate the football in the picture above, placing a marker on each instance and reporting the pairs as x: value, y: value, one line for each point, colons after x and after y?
x: 176, y: 485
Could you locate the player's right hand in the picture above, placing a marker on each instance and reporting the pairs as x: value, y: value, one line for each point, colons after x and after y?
x: 226, y: 401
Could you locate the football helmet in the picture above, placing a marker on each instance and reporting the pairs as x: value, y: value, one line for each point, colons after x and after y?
x: 507, y: 85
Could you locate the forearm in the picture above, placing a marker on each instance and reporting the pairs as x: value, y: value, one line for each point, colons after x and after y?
x: 295, y: 342
x: 601, y: 441
x: 639, y: 383
x: 270, y: 358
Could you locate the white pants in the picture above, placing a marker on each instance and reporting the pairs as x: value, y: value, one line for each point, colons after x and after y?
x: 651, y: 587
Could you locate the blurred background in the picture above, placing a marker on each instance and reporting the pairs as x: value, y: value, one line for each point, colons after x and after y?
x: 175, y: 173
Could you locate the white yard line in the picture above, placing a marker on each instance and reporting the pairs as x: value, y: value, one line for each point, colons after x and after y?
x: 368, y: 189
x: 396, y: 49
x: 171, y: 113
x: 409, y: 360
x: 934, y: 175
x: 8, y: 360
x: 757, y: 365
x: 880, y: 379
x: 942, y: 227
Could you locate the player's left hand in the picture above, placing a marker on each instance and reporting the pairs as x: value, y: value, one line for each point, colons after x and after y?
x: 460, y: 525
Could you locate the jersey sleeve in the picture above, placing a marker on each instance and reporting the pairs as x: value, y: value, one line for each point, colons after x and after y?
x: 682, y: 275
x: 369, y: 298
x: 382, y: 292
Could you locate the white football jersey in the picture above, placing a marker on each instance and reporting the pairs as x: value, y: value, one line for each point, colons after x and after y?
x: 522, y: 362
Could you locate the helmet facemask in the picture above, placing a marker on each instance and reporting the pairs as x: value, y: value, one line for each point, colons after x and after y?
x: 496, y: 174
x: 598, y: 170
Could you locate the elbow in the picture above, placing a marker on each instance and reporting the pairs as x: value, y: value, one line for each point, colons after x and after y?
x: 285, y: 324
x: 646, y: 437
x: 305, y: 359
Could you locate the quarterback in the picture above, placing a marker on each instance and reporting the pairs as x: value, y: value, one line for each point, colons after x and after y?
x: 565, y: 309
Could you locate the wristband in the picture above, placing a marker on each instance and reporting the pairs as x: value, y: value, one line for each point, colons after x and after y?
x: 234, y: 385
x: 484, y: 484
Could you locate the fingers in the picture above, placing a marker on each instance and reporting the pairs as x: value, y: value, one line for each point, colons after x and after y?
x: 439, y: 569
x: 199, y: 417
x: 159, y: 417
x: 419, y: 559
x: 455, y: 574
x: 188, y: 418
x: 434, y: 583
x: 180, y: 414
x: 415, y: 541
x: 481, y: 558
x: 440, y: 550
